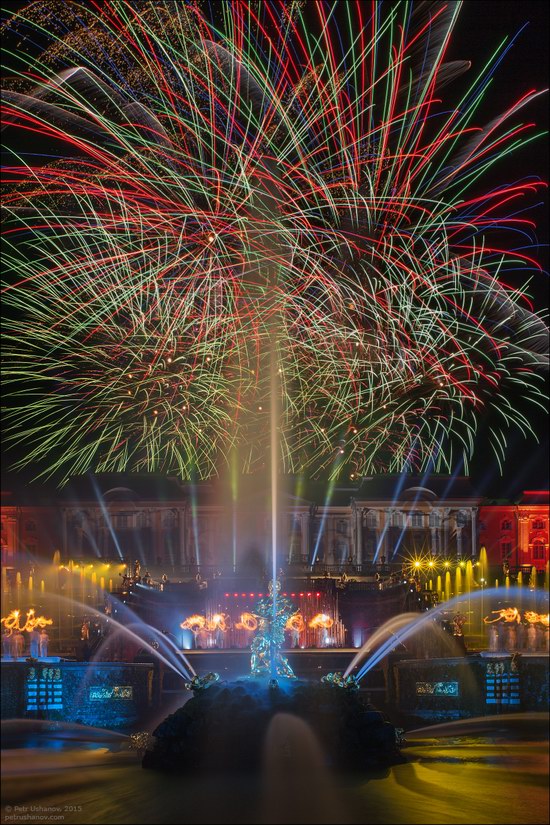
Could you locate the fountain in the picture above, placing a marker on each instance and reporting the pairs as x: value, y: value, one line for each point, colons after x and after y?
x: 225, y: 723
x: 273, y: 614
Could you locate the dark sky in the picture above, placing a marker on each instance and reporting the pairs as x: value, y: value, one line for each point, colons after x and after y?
x: 483, y: 24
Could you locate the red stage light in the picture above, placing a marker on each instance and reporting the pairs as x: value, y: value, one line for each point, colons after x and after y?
x: 252, y: 595
x: 284, y: 594
x: 317, y: 594
x: 243, y: 595
x: 235, y: 595
x: 293, y: 594
x: 309, y: 594
x: 226, y: 595
x: 301, y: 594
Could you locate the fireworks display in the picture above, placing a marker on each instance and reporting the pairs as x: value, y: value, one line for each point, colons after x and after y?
x: 216, y: 192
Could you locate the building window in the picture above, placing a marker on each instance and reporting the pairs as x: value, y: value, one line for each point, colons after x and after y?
x: 461, y: 519
x: 317, y: 529
x: 372, y: 520
x: 295, y: 544
x: 396, y: 519
x: 435, y: 519
x: 120, y: 521
x: 505, y: 550
x: 506, y: 525
x: 539, y: 550
x: 538, y: 524
x: 169, y: 521
x: 342, y: 527
x: 142, y: 520
x: 417, y: 519
x: 341, y: 552
x: 30, y: 527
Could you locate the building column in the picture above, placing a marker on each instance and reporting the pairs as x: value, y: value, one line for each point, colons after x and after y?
x: 388, y: 535
x: 523, y: 539
x: 156, y: 535
x: 434, y: 540
x: 446, y: 516
x: 473, y: 516
x: 458, y: 542
x: 358, y: 535
x: 304, y: 524
x: 12, y: 543
x: 181, y: 533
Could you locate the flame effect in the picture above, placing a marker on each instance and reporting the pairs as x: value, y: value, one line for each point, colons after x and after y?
x: 321, y: 620
x: 248, y: 622
x: 196, y: 622
x: 296, y: 623
x: 536, y: 618
x: 11, y: 622
x: 507, y: 614
x: 512, y: 614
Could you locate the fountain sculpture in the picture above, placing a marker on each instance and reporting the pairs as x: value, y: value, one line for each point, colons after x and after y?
x: 273, y: 613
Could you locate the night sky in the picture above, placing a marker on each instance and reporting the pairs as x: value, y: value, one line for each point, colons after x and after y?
x: 480, y: 29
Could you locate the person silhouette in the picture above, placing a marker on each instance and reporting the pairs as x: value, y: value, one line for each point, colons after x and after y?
x: 18, y: 642
x: 44, y: 639
x: 34, y: 637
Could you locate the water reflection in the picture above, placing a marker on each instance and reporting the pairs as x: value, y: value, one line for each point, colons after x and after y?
x: 490, y: 770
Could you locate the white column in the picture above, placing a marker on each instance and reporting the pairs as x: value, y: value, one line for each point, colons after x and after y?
x: 359, y: 535
x: 182, y: 516
x: 305, y: 535
x: 446, y: 516
x: 473, y: 516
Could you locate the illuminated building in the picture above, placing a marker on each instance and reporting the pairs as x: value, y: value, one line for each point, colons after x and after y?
x: 516, y: 533
x: 174, y: 526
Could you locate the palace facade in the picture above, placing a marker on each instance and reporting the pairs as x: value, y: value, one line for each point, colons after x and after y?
x: 172, y: 526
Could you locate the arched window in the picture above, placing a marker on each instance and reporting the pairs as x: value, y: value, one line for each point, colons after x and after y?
x: 169, y: 520
x: 396, y: 519
x: 372, y: 520
x: 506, y: 524
x: 538, y: 524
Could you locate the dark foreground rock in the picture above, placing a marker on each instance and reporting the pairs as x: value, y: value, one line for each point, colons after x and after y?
x: 224, y: 727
